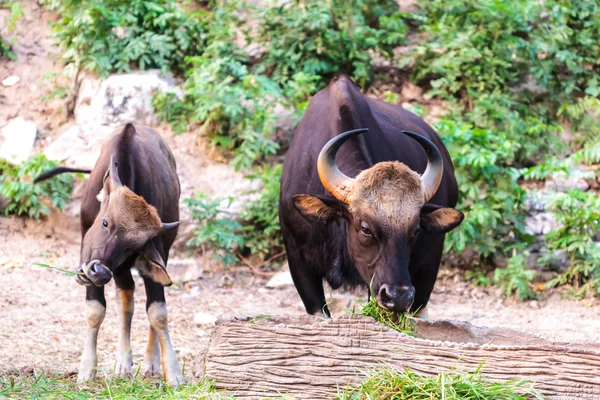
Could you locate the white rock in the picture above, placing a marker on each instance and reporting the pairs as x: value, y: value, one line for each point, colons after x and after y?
x: 204, y: 319
x: 540, y: 224
x: 11, y: 80
x: 19, y: 137
x: 78, y: 146
x: 279, y: 280
x: 121, y: 98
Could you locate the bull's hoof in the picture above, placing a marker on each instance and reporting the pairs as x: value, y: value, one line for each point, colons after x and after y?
x: 152, y: 370
x: 175, y: 380
x: 85, y: 376
x: 123, y: 369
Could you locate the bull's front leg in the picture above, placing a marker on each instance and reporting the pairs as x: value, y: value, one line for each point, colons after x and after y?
x: 125, y: 289
x: 95, y: 310
x: 157, y: 315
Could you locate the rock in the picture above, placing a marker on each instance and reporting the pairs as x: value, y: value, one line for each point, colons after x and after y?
x: 574, y: 180
x: 411, y: 92
x: 11, y: 80
x: 280, y: 280
x: 540, y: 224
x: 19, y: 137
x: 204, y: 319
x: 186, y: 270
x: 121, y: 98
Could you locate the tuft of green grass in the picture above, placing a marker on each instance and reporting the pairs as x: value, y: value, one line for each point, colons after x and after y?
x: 393, y: 384
x: 44, y: 387
x: 402, y: 322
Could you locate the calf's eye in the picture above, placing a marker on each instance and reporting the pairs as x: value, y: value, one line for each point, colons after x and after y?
x: 105, y: 223
x: 366, y: 231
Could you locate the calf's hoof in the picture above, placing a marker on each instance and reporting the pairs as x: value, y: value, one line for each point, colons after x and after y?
x: 175, y: 380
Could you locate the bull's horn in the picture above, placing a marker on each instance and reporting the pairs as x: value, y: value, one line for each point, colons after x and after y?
x: 167, y: 226
x: 432, y: 177
x: 336, y: 183
x: 114, y: 174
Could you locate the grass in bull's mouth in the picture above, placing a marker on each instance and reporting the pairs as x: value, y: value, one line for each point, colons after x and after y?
x: 389, y: 383
x: 43, y: 387
x: 402, y: 322
x: 64, y: 271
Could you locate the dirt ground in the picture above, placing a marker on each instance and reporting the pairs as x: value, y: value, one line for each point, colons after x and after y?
x: 42, y: 310
x: 43, y: 313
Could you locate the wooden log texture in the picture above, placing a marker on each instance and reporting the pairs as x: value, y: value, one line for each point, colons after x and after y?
x: 313, y: 358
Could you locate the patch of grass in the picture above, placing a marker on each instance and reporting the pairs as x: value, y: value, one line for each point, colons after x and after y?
x: 516, y: 279
x: 44, y: 387
x: 389, y: 383
x: 402, y: 322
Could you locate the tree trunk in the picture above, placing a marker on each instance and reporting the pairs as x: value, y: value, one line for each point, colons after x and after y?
x: 310, y: 357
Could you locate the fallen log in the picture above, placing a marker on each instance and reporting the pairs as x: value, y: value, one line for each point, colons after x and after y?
x: 313, y: 358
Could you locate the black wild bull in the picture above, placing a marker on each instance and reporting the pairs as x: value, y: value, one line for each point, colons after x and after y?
x: 385, y: 228
x: 131, y: 192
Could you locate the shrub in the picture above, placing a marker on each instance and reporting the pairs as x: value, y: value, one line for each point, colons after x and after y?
x: 260, y: 217
x: 515, y: 279
x: 10, y: 22
x: 215, y: 228
x: 114, y: 35
x: 324, y: 38
x: 578, y: 218
x: 26, y: 198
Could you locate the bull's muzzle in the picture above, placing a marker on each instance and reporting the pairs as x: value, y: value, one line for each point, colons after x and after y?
x: 93, y: 273
x: 396, y: 298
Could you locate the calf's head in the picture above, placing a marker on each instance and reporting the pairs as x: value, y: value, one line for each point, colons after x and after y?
x: 385, y: 209
x: 125, y: 226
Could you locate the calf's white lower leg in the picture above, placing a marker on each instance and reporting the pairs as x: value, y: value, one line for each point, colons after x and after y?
x: 124, y: 354
x: 157, y: 315
x: 95, y: 315
x: 152, y: 356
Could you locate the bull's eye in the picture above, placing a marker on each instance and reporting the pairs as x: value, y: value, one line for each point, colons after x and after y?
x: 366, y: 231
x: 105, y: 223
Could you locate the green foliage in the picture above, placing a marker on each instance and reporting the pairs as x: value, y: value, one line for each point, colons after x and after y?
x: 44, y: 387
x: 114, y: 35
x: 322, y: 38
x: 260, y: 217
x: 10, y: 23
x: 578, y: 218
x: 515, y: 279
x: 389, y: 383
x: 215, y: 227
x: 255, y: 230
x: 26, y: 198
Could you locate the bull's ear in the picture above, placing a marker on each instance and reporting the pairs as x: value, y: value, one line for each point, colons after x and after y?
x: 438, y: 219
x: 311, y: 206
x: 156, y: 269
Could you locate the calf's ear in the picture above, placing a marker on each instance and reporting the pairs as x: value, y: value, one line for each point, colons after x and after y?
x: 311, y: 206
x: 438, y: 219
x: 155, y: 267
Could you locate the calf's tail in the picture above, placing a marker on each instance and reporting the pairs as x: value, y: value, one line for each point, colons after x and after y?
x: 57, y: 171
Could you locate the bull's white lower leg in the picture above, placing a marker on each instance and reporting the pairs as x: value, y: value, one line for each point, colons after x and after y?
x: 95, y: 315
x: 157, y: 315
x: 152, y: 356
x: 124, y: 354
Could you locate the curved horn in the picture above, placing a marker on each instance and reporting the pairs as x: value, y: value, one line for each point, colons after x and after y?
x: 336, y: 183
x: 114, y: 174
x: 432, y: 177
x: 167, y: 226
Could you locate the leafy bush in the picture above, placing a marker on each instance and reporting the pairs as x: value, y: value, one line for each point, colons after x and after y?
x: 322, y: 38
x: 26, y: 198
x: 260, y: 217
x: 114, y: 35
x: 515, y: 279
x: 10, y: 22
x: 578, y: 217
x: 215, y: 227
x: 389, y: 383
x: 254, y: 230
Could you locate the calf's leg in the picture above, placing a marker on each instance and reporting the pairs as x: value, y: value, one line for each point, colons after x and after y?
x: 157, y: 315
x: 95, y: 310
x: 125, y: 289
